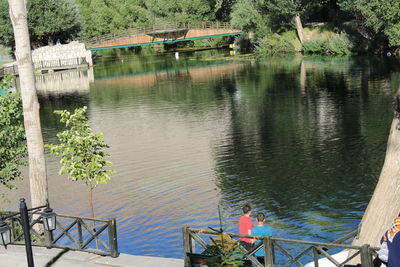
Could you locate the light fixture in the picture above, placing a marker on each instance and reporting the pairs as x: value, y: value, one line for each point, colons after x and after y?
x: 49, y: 219
x: 5, y: 234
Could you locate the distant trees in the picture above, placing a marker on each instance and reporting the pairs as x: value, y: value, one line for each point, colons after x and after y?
x: 382, y: 17
x: 68, y: 19
x: 48, y: 20
x: 248, y: 16
x: 106, y: 16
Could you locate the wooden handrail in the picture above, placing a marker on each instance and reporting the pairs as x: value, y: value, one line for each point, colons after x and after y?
x: 271, y: 245
x: 77, y: 230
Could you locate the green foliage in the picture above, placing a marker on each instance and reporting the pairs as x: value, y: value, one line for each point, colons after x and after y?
x: 107, y: 16
x: 81, y: 151
x: 338, y: 44
x: 48, y: 20
x: 285, y: 10
x: 276, y: 44
x: 224, y: 250
x: 13, y: 150
x: 380, y: 16
x: 246, y: 16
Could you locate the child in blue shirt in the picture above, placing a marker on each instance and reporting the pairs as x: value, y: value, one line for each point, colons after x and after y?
x: 260, y: 230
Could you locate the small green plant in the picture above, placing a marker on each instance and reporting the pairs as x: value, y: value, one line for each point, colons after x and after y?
x: 81, y: 151
x: 224, y: 250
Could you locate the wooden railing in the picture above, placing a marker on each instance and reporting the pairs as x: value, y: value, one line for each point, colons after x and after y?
x: 151, y: 29
x: 48, y: 64
x: 73, y: 233
x: 59, y: 63
x: 8, y: 70
x: 272, y: 245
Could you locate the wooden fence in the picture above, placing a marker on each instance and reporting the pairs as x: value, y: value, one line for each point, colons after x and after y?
x: 57, y: 64
x: 156, y: 28
x: 272, y: 245
x: 73, y: 233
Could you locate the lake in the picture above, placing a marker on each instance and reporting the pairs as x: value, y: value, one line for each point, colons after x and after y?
x: 301, y: 139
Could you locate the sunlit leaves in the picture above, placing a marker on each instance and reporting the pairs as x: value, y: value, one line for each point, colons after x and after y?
x: 13, y: 149
x: 81, y: 151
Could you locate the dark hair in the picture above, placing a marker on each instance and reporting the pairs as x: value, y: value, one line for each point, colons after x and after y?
x: 246, y: 208
x: 260, y: 217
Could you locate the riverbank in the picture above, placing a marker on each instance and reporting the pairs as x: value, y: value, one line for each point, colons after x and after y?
x: 15, y: 256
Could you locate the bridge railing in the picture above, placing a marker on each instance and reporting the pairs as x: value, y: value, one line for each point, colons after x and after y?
x: 73, y: 233
x: 8, y: 70
x: 273, y: 246
x: 154, y: 29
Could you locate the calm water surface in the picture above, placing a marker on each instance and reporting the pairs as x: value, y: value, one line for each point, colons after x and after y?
x: 301, y: 139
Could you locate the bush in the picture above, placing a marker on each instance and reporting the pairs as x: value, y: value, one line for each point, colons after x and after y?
x: 275, y: 44
x: 338, y: 44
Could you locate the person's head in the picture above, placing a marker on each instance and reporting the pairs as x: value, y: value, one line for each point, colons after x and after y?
x: 260, y: 217
x: 246, y: 209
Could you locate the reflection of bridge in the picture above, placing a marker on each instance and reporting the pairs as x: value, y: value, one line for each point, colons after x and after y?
x: 158, y: 34
x: 147, y: 80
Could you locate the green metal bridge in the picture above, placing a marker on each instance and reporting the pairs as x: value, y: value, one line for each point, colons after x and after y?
x: 163, y: 33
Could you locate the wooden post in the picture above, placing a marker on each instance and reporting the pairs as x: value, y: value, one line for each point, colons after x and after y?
x: 187, y: 245
x: 48, y: 238
x: 80, y: 237
x: 268, y: 251
x: 315, y: 256
x: 366, y: 259
x: 112, y: 237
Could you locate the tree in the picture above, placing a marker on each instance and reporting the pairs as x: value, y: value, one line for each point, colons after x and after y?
x: 382, y: 17
x: 384, y: 204
x: 247, y: 17
x: 108, y: 16
x: 30, y: 104
x: 12, y: 135
x: 293, y: 9
x: 81, y: 152
x: 48, y: 20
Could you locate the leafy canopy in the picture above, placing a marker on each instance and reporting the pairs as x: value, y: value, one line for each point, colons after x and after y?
x: 380, y: 16
x: 81, y: 151
x: 48, y: 20
x: 13, y: 150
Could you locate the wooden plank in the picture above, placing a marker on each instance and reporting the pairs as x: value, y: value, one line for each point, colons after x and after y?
x: 199, y: 240
x: 64, y: 231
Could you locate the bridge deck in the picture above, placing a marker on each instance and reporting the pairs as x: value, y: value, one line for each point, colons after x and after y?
x: 157, y: 34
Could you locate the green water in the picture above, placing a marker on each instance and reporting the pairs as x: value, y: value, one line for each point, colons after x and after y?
x: 301, y: 139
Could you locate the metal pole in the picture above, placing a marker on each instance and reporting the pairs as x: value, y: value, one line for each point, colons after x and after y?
x: 27, y: 236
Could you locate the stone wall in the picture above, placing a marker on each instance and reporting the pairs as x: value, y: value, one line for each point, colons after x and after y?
x: 72, y: 50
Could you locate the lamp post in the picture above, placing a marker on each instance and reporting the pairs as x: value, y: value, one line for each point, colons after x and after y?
x: 49, y: 223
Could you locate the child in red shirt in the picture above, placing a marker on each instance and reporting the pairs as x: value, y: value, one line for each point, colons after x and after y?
x: 245, y: 226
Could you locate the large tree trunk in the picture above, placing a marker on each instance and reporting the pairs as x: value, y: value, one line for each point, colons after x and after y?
x: 384, y: 204
x: 299, y: 27
x: 37, y: 166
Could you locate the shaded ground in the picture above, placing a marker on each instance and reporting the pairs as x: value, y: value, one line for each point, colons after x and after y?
x: 15, y: 256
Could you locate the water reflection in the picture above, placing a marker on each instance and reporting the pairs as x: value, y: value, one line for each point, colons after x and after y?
x: 64, y: 82
x: 301, y: 139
